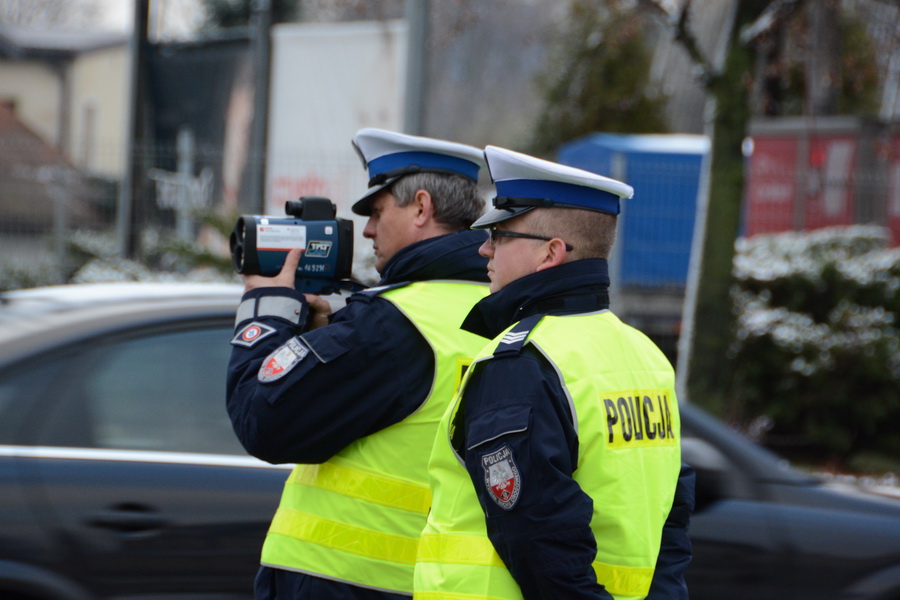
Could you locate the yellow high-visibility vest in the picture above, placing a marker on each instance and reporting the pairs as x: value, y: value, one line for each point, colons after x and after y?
x: 621, y: 389
x: 357, y: 517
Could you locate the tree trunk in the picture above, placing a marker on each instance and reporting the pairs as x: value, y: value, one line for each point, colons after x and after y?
x: 707, y: 378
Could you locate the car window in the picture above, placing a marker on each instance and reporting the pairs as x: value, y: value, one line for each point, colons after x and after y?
x: 7, y: 393
x: 161, y: 391
x: 22, y: 388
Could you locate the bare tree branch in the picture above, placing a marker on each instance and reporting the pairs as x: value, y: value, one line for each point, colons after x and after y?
x: 775, y: 12
x: 704, y: 69
x: 679, y: 21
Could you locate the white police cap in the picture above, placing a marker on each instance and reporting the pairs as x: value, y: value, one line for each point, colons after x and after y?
x: 524, y: 182
x: 389, y: 156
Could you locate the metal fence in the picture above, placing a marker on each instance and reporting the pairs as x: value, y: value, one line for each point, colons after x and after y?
x: 62, y: 224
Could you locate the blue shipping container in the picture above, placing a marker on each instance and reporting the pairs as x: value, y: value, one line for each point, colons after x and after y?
x: 657, y: 225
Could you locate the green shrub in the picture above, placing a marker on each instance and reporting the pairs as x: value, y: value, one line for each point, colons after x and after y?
x: 817, y: 345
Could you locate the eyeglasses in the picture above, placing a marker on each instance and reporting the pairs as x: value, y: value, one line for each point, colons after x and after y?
x: 502, y: 233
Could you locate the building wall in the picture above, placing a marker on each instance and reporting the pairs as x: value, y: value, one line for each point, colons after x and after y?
x: 99, y: 110
x: 34, y: 89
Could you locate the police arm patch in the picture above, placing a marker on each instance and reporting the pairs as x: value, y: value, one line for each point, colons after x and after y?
x: 501, y: 477
x: 280, y: 362
x: 252, y: 333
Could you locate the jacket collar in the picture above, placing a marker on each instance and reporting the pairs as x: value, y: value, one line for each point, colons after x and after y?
x: 576, y: 287
x: 451, y: 256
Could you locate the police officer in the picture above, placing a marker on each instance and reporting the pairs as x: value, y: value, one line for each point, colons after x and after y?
x: 356, y: 402
x: 556, y: 466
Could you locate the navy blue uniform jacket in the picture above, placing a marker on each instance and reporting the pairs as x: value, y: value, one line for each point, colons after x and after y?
x: 545, y: 538
x: 369, y: 368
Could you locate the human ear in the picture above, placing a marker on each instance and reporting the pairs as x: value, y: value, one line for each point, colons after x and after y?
x: 424, y: 207
x: 554, y: 255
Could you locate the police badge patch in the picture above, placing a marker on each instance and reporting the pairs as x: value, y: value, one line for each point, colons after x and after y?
x: 279, y: 363
x: 252, y: 333
x: 501, y: 477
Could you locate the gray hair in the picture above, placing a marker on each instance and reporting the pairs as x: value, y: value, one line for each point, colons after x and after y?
x: 457, y: 203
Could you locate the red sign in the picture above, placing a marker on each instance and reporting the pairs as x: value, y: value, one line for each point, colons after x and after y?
x: 829, y: 182
x: 771, y: 186
x: 893, y: 198
x: 800, y: 183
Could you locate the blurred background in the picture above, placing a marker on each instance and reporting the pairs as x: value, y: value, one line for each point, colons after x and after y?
x: 761, y: 137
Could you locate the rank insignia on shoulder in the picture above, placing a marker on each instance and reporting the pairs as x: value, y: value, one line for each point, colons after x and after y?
x: 501, y: 477
x: 281, y: 361
x: 252, y: 333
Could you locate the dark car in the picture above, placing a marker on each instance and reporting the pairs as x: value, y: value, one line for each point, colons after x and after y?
x: 762, y: 529
x: 120, y: 475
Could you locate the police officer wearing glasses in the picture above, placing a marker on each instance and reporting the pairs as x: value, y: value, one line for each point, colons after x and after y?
x: 355, y: 397
x: 556, y: 473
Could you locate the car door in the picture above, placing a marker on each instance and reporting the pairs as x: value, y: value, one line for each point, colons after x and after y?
x: 142, y: 480
x: 740, y: 537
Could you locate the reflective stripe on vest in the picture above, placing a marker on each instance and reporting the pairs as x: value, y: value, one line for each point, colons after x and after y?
x: 473, y: 550
x: 357, y: 517
x: 364, y: 485
x: 632, y: 482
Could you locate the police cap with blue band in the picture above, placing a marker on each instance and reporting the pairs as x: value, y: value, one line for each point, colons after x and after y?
x: 389, y: 155
x: 524, y: 183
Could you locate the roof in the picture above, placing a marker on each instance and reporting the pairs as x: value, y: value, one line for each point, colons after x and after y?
x: 664, y: 143
x: 72, y: 296
x: 32, y: 172
x: 41, y: 317
x: 23, y: 42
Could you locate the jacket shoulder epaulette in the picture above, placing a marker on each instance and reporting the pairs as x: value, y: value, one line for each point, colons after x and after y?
x: 515, y: 338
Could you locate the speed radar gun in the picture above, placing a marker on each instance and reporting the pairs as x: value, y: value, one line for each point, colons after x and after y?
x: 260, y: 244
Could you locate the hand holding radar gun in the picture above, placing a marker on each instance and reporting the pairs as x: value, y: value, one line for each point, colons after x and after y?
x: 260, y: 244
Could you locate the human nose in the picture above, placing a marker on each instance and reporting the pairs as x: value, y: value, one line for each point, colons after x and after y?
x: 486, y: 249
x: 369, y: 229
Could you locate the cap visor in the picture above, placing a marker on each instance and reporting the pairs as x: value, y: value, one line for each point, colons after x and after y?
x: 363, y: 206
x: 498, y: 215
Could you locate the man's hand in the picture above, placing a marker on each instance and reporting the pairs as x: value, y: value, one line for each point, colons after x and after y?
x: 319, y: 308
x: 285, y: 278
x: 319, y: 311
